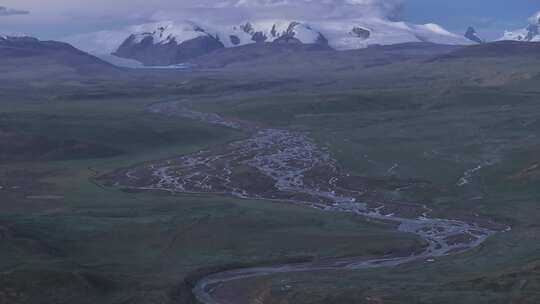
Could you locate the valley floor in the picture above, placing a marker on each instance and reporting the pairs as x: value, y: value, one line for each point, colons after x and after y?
x: 83, y: 218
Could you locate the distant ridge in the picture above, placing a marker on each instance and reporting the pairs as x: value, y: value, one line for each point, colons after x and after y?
x: 496, y: 49
x: 19, y: 53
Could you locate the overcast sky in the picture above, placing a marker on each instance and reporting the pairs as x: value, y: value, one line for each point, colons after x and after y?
x: 50, y: 19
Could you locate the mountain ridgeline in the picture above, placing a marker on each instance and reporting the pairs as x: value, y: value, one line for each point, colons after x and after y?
x: 170, y: 43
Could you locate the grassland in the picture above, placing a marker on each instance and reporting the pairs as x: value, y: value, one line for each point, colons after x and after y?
x: 475, y: 146
x: 65, y: 239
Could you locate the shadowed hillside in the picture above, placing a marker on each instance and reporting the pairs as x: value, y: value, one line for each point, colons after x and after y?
x: 29, y: 58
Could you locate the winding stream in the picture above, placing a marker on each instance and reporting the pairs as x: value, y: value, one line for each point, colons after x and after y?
x: 288, y: 166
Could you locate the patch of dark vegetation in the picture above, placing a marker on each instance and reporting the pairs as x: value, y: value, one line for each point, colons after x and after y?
x: 45, y: 137
x: 53, y: 287
x: 22, y: 147
x: 525, y: 283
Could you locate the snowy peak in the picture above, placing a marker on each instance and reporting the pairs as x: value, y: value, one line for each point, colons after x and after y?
x: 472, y: 35
x: 167, y: 32
x: 249, y: 32
x: 343, y: 34
x: 340, y: 34
x: 10, y: 40
x: 361, y: 33
x: 277, y: 31
x: 167, y: 43
x: 529, y: 34
x: 13, y: 37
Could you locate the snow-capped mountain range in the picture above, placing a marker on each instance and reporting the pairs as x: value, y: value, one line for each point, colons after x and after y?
x: 529, y: 34
x: 171, y: 42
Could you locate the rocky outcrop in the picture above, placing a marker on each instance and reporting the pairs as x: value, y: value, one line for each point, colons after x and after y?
x: 361, y: 32
x: 235, y: 40
x: 533, y: 31
x: 257, y: 36
x: 292, y: 32
x: 472, y: 35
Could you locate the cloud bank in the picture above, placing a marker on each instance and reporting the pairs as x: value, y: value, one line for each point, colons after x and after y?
x: 4, y: 11
x: 241, y: 10
x: 60, y: 18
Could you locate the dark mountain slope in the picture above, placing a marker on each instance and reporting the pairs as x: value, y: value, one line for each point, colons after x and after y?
x: 294, y: 55
x: 22, y: 57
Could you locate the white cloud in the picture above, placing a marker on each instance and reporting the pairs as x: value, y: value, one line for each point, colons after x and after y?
x: 240, y: 10
x: 69, y: 17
